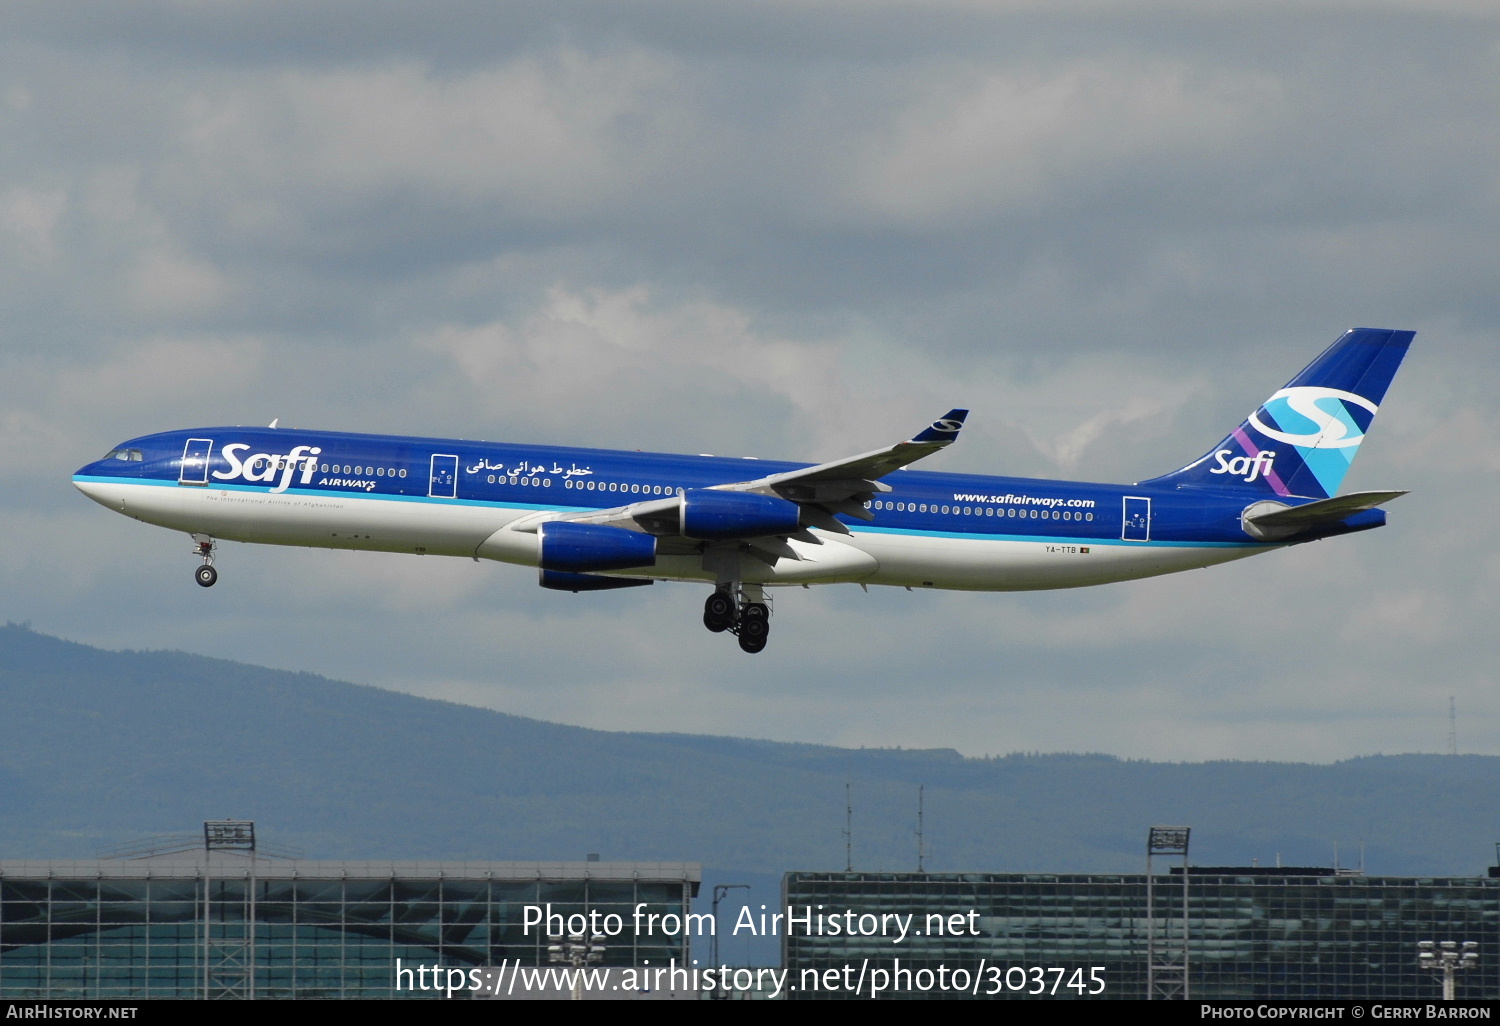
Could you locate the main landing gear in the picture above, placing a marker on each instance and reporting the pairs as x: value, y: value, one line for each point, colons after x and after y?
x: 205, y: 575
x: 732, y: 609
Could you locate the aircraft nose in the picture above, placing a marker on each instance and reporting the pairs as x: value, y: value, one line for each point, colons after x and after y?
x: 98, y: 492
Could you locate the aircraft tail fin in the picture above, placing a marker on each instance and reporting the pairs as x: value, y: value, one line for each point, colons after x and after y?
x: 1302, y: 440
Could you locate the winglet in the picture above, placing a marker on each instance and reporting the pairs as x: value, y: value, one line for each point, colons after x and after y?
x: 943, y: 430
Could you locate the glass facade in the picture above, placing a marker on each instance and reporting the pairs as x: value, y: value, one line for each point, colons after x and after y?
x: 184, y: 928
x: 1251, y: 935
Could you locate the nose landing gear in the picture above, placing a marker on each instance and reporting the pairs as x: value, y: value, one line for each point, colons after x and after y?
x: 739, y: 611
x: 205, y: 575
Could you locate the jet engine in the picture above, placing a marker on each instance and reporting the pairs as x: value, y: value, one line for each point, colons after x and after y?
x: 584, y: 548
x: 716, y: 515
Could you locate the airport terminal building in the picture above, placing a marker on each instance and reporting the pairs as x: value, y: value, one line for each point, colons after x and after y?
x: 1252, y: 933
x: 213, y: 916
x: 217, y: 923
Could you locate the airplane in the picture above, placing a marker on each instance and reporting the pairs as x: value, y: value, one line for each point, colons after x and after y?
x: 597, y: 519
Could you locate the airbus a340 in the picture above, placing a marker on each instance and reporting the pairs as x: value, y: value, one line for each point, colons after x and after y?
x: 593, y: 519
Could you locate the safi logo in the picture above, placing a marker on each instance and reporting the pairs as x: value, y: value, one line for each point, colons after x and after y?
x: 1312, y: 417
x: 264, y: 466
x: 1246, y: 468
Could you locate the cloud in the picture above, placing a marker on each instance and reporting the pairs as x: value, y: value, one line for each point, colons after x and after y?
x: 984, y: 143
x: 554, y: 137
x: 30, y: 217
x: 775, y: 231
x: 164, y: 282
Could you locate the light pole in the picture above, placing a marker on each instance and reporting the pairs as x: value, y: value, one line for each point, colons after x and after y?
x: 719, y: 891
x: 577, y: 950
x: 1446, y: 959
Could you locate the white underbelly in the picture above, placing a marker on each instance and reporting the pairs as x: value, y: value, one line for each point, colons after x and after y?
x: 440, y: 527
x: 329, y: 520
x: 990, y: 564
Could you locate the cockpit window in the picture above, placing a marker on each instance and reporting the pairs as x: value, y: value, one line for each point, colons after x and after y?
x: 130, y: 455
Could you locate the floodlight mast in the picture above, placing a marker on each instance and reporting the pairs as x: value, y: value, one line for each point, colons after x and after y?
x: 229, y: 955
x: 1446, y: 959
x: 1167, y: 957
x: 577, y: 950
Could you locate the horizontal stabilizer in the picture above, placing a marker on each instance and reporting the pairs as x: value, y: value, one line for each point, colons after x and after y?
x: 1272, y: 521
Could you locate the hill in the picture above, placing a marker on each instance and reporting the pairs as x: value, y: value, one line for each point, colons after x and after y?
x: 100, y: 747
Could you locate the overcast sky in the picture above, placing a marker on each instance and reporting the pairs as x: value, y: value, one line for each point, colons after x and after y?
x: 792, y: 230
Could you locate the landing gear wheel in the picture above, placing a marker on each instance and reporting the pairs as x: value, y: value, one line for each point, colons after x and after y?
x: 718, y: 612
x: 206, y: 576
x: 755, y: 627
x: 751, y: 641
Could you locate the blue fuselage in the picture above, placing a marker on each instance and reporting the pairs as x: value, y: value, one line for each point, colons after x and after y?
x: 444, y: 496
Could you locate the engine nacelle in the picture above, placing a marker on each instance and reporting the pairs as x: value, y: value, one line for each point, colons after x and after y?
x: 557, y: 580
x: 713, y: 514
x: 584, y: 548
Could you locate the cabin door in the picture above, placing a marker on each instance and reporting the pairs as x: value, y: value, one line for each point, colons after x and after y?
x: 195, y: 461
x: 443, y: 484
x: 1137, y: 526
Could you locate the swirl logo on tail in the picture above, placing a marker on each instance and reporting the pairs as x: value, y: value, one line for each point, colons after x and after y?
x: 1320, y: 413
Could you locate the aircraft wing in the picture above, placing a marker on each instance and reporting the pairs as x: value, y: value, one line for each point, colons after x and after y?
x: 842, y: 486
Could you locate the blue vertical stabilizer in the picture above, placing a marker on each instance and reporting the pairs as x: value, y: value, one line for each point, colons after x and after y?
x: 1302, y: 440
